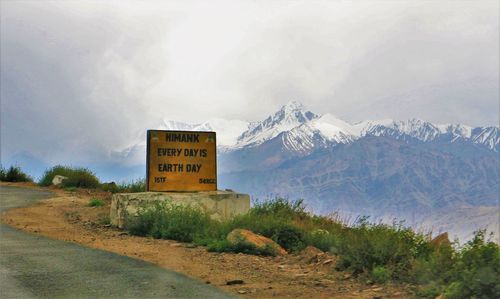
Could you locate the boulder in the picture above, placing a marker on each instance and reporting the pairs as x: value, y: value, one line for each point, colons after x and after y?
x: 58, y: 180
x: 242, y: 235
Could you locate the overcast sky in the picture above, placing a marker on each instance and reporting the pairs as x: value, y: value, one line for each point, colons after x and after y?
x: 82, y: 78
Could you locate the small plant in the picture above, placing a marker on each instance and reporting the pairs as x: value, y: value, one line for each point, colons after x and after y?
x: 168, y: 220
x: 381, y: 274
x: 95, y: 202
x: 104, y: 219
x: 14, y: 174
x: 76, y: 177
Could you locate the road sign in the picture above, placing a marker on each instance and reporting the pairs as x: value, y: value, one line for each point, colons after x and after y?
x: 181, y: 161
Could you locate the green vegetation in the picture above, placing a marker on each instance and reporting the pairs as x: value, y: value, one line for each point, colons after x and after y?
x: 125, y: 187
x: 170, y: 221
x: 96, y: 202
x: 77, y: 177
x: 381, y: 274
x: 14, y: 174
x: 104, y: 219
x: 244, y: 247
x: 378, y: 251
x: 468, y: 272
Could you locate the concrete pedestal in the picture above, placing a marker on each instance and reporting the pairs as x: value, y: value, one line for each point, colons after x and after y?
x: 218, y: 204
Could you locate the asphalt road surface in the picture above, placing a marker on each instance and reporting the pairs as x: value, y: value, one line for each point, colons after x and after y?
x: 37, y: 267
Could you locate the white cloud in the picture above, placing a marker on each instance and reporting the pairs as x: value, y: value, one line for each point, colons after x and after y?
x: 81, y: 79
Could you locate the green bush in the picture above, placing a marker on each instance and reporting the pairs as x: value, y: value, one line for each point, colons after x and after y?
x: 472, y: 271
x: 126, y: 187
x: 381, y: 274
x: 365, y: 246
x: 77, y: 177
x: 476, y: 272
x: 14, y: 174
x: 170, y: 221
x: 322, y: 239
x: 247, y: 248
x: 95, y: 202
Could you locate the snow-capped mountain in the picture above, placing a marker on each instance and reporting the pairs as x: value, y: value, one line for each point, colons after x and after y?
x: 317, y: 133
x: 302, y: 131
x: 290, y: 116
x: 426, y: 131
x: 299, y: 131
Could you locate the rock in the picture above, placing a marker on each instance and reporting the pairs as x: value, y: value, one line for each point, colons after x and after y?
x: 327, y: 261
x: 190, y: 245
x: 238, y: 236
x: 58, y: 180
x: 234, y: 281
x: 242, y: 292
x: 441, y: 240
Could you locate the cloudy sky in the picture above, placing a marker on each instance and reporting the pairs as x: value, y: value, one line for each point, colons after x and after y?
x: 82, y: 78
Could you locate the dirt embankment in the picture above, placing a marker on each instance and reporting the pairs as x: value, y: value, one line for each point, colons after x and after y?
x: 311, y: 273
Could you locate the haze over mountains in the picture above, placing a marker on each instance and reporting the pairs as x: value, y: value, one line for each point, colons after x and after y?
x: 410, y: 169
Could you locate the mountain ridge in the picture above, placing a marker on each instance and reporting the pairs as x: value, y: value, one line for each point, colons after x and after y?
x: 305, y: 130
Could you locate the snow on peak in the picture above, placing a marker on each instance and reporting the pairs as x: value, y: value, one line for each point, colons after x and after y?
x: 291, y: 115
x: 330, y: 126
x: 318, y: 132
x: 293, y: 106
x: 303, y: 130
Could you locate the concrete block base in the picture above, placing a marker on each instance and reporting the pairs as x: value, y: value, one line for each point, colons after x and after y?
x: 218, y: 204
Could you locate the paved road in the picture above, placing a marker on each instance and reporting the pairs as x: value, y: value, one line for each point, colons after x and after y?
x: 37, y: 267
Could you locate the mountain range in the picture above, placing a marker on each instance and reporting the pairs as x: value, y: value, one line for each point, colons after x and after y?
x: 410, y: 169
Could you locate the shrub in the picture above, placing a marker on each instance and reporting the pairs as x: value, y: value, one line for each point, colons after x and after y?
x: 476, y: 272
x: 77, y: 177
x: 366, y: 246
x: 104, y: 219
x: 322, y: 239
x: 95, y: 202
x: 381, y: 274
x: 170, y: 221
x: 280, y: 208
x: 125, y: 187
x: 289, y: 237
x: 243, y: 247
x: 14, y: 174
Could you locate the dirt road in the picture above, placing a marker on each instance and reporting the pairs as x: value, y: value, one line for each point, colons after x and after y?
x: 32, y: 266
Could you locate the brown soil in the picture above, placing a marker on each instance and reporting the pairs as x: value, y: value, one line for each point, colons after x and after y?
x: 68, y: 217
